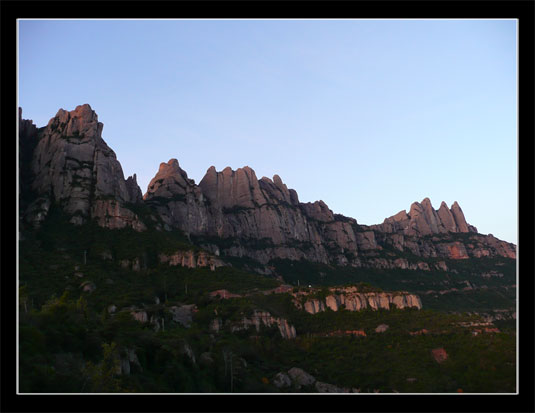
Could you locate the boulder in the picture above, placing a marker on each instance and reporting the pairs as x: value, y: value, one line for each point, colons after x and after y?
x: 381, y: 328
x: 439, y: 354
x: 88, y: 286
x: 301, y: 378
x: 322, y: 387
x: 282, y: 380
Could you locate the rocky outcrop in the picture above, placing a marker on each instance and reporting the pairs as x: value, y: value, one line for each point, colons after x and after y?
x: 439, y: 354
x: 140, y: 315
x: 301, y: 378
x: 27, y: 128
x: 183, y: 314
x: 134, y: 191
x: 353, y: 300
x: 73, y: 167
x: 263, y: 219
x: 128, y: 360
x: 259, y: 318
x: 185, y: 349
x: 282, y: 380
x: 178, y: 201
x: 423, y: 219
x: 381, y: 328
x: 192, y: 259
x: 111, y: 214
x: 427, y: 233
x: 225, y: 294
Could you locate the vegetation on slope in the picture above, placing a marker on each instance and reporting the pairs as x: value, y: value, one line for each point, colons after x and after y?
x: 71, y: 342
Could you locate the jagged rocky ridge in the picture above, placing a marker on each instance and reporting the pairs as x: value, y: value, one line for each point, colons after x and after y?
x: 230, y: 213
x: 263, y: 219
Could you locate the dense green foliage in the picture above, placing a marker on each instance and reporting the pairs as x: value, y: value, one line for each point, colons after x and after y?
x: 484, y: 293
x: 70, y: 340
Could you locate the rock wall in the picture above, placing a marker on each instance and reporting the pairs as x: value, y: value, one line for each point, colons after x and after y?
x: 264, y: 220
x: 423, y: 219
x: 191, y: 259
x: 74, y: 167
x: 353, y: 300
x: 259, y: 318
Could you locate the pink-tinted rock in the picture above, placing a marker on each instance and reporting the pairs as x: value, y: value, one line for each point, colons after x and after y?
x: 458, y: 215
x: 73, y: 165
x: 439, y: 354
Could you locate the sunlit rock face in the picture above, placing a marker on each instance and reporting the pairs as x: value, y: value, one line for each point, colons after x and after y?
x: 352, y: 299
x: 426, y: 232
x: 74, y: 167
x: 423, y: 219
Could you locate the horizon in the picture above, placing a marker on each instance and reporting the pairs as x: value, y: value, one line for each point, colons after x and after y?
x: 283, y: 98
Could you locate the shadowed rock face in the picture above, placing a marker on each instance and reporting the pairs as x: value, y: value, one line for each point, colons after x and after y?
x: 134, y: 191
x: 73, y: 166
x: 179, y: 202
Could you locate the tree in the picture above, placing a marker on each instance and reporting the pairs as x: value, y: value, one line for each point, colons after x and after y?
x: 101, y: 378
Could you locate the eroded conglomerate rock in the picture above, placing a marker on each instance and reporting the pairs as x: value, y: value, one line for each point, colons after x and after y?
x: 423, y: 219
x: 259, y: 318
x: 428, y: 233
x: 134, y: 191
x: 73, y: 167
x: 264, y: 220
x: 353, y: 300
x: 263, y: 216
x: 179, y: 202
x: 192, y: 259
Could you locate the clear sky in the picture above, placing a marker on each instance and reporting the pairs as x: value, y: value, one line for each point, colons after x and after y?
x: 367, y: 115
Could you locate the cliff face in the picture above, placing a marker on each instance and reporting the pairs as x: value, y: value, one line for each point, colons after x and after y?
x: 236, y: 205
x: 73, y: 166
x: 179, y: 202
x: 229, y: 212
x: 426, y: 232
x: 263, y: 220
x: 353, y: 300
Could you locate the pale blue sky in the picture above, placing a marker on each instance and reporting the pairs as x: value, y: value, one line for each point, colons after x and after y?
x: 367, y: 115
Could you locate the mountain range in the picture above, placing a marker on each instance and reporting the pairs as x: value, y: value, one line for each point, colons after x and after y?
x: 234, y: 285
x: 230, y: 213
